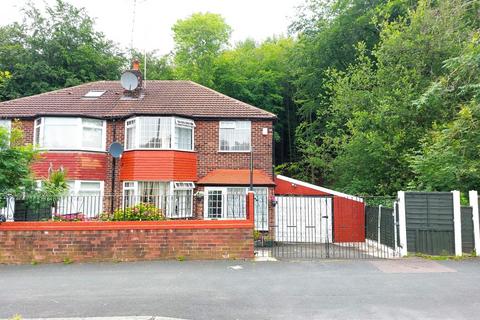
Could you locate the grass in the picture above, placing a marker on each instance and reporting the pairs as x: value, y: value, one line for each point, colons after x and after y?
x: 443, y: 257
x: 180, y: 258
x: 67, y: 260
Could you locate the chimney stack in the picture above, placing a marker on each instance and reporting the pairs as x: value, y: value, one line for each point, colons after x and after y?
x: 136, y: 65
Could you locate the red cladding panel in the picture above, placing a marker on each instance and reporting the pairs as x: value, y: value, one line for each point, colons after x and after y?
x: 158, y: 165
x: 78, y: 165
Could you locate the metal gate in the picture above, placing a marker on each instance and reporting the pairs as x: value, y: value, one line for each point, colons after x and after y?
x: 303, y: 228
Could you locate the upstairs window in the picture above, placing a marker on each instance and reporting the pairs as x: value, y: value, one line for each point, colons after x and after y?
x: 56, y: 133
x: 7, y: 124
x: 159, y: 133
x: 235, y: 136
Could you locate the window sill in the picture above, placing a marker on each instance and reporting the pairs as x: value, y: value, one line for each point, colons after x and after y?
x: 72, y: 150
x: 234, y: 151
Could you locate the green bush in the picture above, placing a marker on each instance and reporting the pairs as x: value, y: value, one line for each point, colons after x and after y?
x: 139, y: 212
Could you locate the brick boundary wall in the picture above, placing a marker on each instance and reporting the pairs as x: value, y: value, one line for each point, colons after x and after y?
x: 52, y: 246
x: 51, y: 242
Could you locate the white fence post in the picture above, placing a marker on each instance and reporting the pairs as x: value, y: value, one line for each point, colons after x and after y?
x: 378, y: 222
x: 395, y: 225
x: 457, y: 222
x: 473, y: 199
x: 402, y: 221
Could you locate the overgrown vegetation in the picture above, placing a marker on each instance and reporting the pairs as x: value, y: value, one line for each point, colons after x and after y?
x: 15, y: 161
x: 371, y: 96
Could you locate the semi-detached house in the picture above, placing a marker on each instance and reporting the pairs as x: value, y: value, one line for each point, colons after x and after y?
x: 180, y: 139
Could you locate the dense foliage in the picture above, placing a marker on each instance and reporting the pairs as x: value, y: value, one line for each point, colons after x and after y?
x: 371, y: 96
x: 15, y: 161
x: 54, y: 49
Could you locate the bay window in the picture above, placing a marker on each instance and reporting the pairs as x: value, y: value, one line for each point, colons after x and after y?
x: 175, y: 199
x: 159, y: 133
x: 83, y: 197
x: 235, y: 136
x: 230, y: 203
x: 70, y: 133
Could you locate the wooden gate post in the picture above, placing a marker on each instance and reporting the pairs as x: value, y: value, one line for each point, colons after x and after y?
x: 402, y: 221
x: 457, y: 222
x: 473, y: 199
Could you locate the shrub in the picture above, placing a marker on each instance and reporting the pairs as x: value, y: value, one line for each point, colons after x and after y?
x: 139, y: 212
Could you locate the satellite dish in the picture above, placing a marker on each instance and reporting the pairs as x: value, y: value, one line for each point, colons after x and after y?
x: 115, y: 149
x: 129, y: 80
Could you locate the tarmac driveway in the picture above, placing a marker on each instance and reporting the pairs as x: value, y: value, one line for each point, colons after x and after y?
x: 379, y: 289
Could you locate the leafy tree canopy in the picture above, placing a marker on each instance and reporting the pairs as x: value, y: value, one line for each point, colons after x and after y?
x: 198, y: 41
x: 55, y: 49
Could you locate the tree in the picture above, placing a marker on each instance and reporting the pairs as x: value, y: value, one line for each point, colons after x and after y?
x: 55, y: 49
x: 448, y: 157
x: 199, y: 39
x: 376, y: 102
x: 258, y: 74
x: 328, y: 32
x: 15, y: 161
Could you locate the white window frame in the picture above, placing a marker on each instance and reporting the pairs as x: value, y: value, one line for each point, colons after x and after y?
x: 77, y: 144
x: 224, y: 192
x: 7, y: 124
x: 172, y: 186
x: 224, y: 189
x: 73, y: 200
x: 174, y: 123
x: 232, y: 124
x: 181, y: 186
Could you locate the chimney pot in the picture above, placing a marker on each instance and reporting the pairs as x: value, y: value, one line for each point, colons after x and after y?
x: 136, y: 65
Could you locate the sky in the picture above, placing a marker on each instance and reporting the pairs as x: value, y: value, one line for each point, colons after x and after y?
x: 257, y: 19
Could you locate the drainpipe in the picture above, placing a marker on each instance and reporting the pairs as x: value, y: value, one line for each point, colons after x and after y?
x: 114, y: 164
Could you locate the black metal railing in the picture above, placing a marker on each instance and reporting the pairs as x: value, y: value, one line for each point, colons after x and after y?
x: 122, y: 207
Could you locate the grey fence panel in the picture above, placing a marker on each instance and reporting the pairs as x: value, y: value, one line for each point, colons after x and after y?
x: 387, y: 225
x: 468, y: 240
x: 387, y: 228
x: 371, y: 223
x: 429, y: 222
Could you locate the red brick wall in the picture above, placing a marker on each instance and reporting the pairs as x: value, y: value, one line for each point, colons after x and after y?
x: 206, y: 145
x: 209, y: 157
x: 52, y: 246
